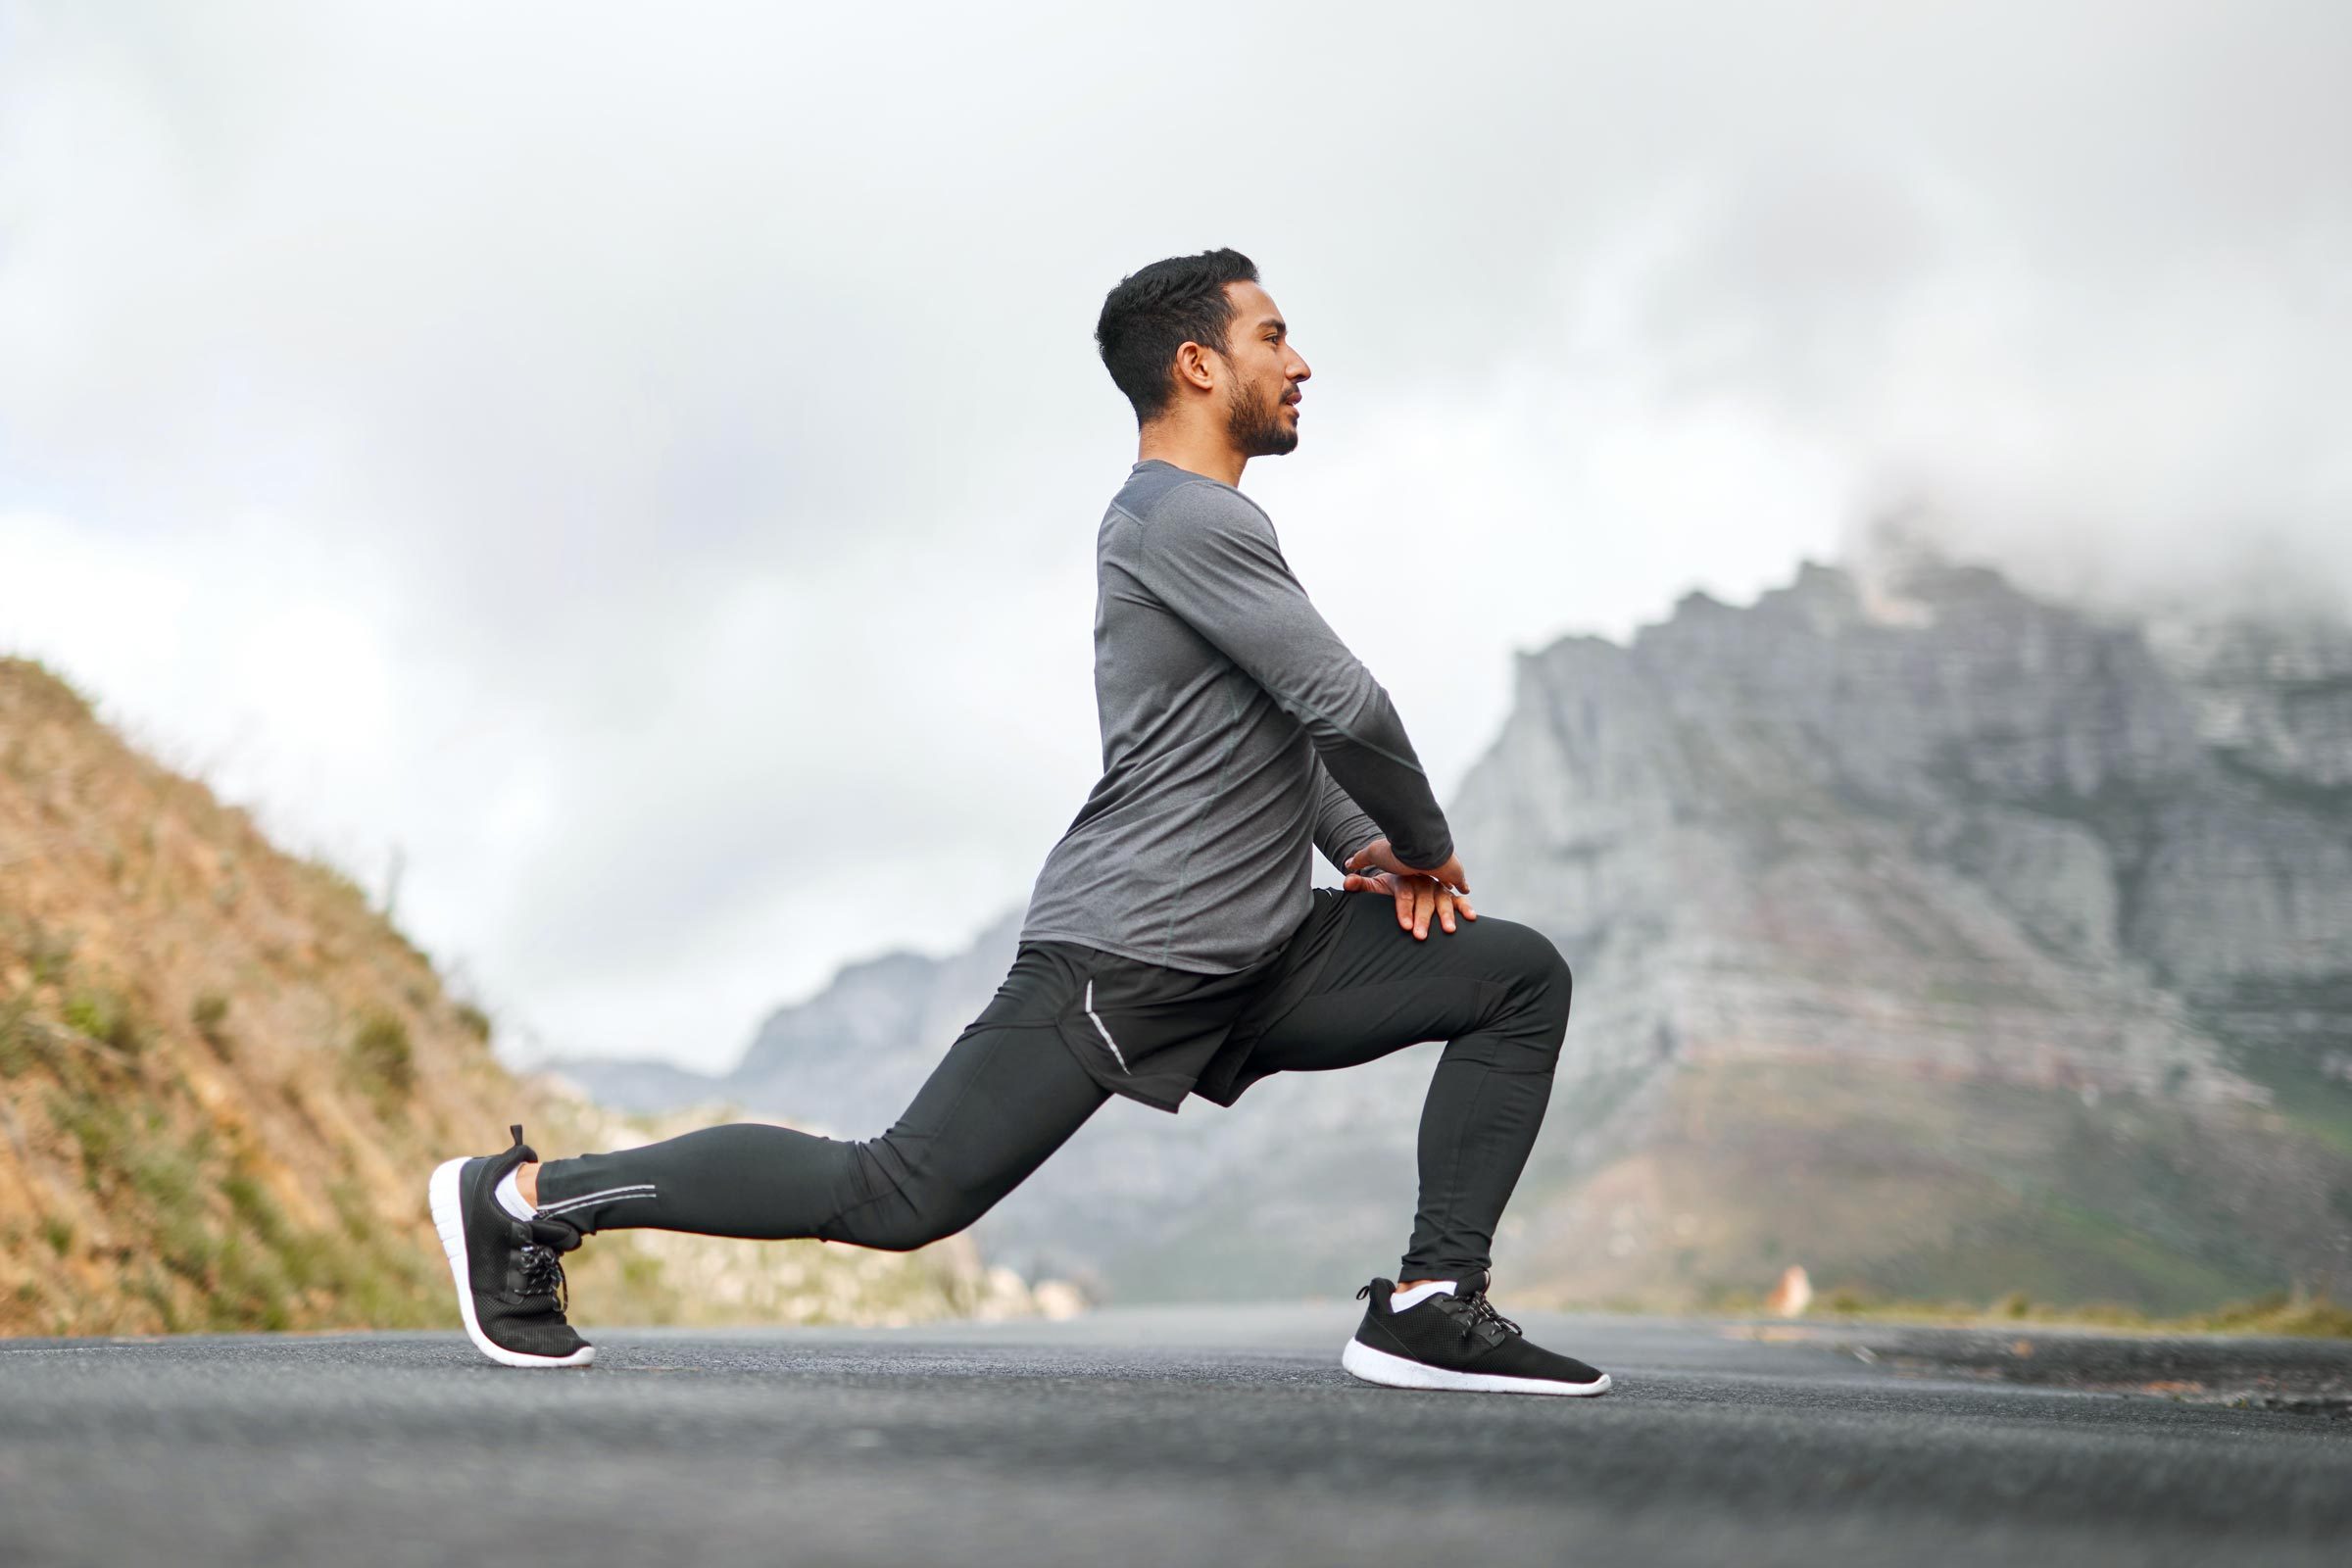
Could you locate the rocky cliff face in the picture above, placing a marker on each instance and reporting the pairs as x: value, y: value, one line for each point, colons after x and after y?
x: 1971, y: 835
x: 1943, y: 940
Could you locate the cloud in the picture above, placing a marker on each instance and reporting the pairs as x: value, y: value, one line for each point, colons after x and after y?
x: 646, y: 467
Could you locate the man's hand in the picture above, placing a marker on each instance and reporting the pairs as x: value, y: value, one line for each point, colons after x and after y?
x: 1419, y: 895
x: 1378, y: 857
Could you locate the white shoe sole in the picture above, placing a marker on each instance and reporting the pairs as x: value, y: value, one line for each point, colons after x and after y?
x: 449, y: 1219
x: 1396, y: 1372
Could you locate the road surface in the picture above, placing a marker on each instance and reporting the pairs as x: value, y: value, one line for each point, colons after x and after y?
x: 1219, y: 1436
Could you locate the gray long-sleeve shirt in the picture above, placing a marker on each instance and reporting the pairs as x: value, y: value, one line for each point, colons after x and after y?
x: 1238, y: 731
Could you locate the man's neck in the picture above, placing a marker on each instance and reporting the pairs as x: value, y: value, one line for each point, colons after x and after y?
x: 1211, y: 457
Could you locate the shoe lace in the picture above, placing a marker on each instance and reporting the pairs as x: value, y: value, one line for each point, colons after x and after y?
x: 1478, y: 1310
x: 540, y: 1272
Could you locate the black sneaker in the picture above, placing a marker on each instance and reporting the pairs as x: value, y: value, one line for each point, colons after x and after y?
x: 510, y: 1280
x: 1457, y: 1342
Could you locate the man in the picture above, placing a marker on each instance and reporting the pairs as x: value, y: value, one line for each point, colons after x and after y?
x: 1172, y: 945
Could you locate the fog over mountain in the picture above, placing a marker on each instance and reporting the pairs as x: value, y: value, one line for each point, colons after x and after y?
x: 642, y: 468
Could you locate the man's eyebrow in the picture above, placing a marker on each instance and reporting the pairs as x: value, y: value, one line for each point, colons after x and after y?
x: 1276, y: 322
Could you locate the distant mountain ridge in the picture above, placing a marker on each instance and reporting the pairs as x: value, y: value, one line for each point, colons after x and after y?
x: 1944, y: 938
x: 848, y: 1057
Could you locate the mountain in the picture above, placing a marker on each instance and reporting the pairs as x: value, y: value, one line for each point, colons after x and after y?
x: 847, y: 1058
x: 1952, y: 942
x: 1940, y: 937
x: 225, y: 1077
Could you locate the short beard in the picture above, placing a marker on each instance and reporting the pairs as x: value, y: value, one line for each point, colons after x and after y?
x: 1257, y: 430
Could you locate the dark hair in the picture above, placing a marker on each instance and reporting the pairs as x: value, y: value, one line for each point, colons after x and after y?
x: 1158, y: 308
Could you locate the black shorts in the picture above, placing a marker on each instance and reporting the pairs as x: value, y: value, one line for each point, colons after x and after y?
x: 1155, y: 1034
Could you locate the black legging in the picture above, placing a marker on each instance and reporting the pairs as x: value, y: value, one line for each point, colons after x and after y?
x: 1009, y: 1092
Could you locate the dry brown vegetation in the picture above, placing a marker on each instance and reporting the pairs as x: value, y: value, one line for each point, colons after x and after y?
x: 225, y: 1076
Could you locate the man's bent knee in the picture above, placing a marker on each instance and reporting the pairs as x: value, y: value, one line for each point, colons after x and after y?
x: 1539, y: 975
x: 911, y: 1219
x: 1557, y: 979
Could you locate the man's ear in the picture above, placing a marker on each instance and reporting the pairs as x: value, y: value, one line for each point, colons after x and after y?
x: 1193, y: 367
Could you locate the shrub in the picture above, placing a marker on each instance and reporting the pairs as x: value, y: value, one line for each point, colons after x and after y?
x: 20, y: 1038
x: 105, y: 1016
x: 381, y: 1057
x: 210, y: 1016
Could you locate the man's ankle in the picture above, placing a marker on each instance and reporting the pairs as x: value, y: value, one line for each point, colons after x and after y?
x: 518, y: 1192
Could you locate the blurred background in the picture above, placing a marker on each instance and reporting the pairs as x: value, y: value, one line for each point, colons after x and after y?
x: 584, y: 518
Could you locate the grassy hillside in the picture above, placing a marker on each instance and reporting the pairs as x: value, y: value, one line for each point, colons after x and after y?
x: 223, y: 1078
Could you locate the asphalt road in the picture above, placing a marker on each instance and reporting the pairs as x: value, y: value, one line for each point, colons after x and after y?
x: 1223, y: 1438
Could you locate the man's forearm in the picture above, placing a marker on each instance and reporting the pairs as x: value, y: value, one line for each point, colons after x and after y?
x: 1373, y: 762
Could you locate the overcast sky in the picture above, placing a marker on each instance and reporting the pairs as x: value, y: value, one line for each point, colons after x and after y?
x: 644, y: 461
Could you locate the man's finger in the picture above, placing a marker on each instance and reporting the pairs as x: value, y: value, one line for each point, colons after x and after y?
x: 1425, y: 899
x: 1463, y: 904
x: 1446, y: 912
x: 1404, y: 903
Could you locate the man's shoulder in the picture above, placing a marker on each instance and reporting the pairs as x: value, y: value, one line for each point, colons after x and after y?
x: 1158, y: 496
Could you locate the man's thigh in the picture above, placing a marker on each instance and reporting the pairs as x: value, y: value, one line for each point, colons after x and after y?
x: 1382, y: 990
x: 1006, y: 1094
x: 1001, y: 1102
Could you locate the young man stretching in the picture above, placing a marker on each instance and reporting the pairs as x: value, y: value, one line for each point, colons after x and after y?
x: 1173, y: 944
